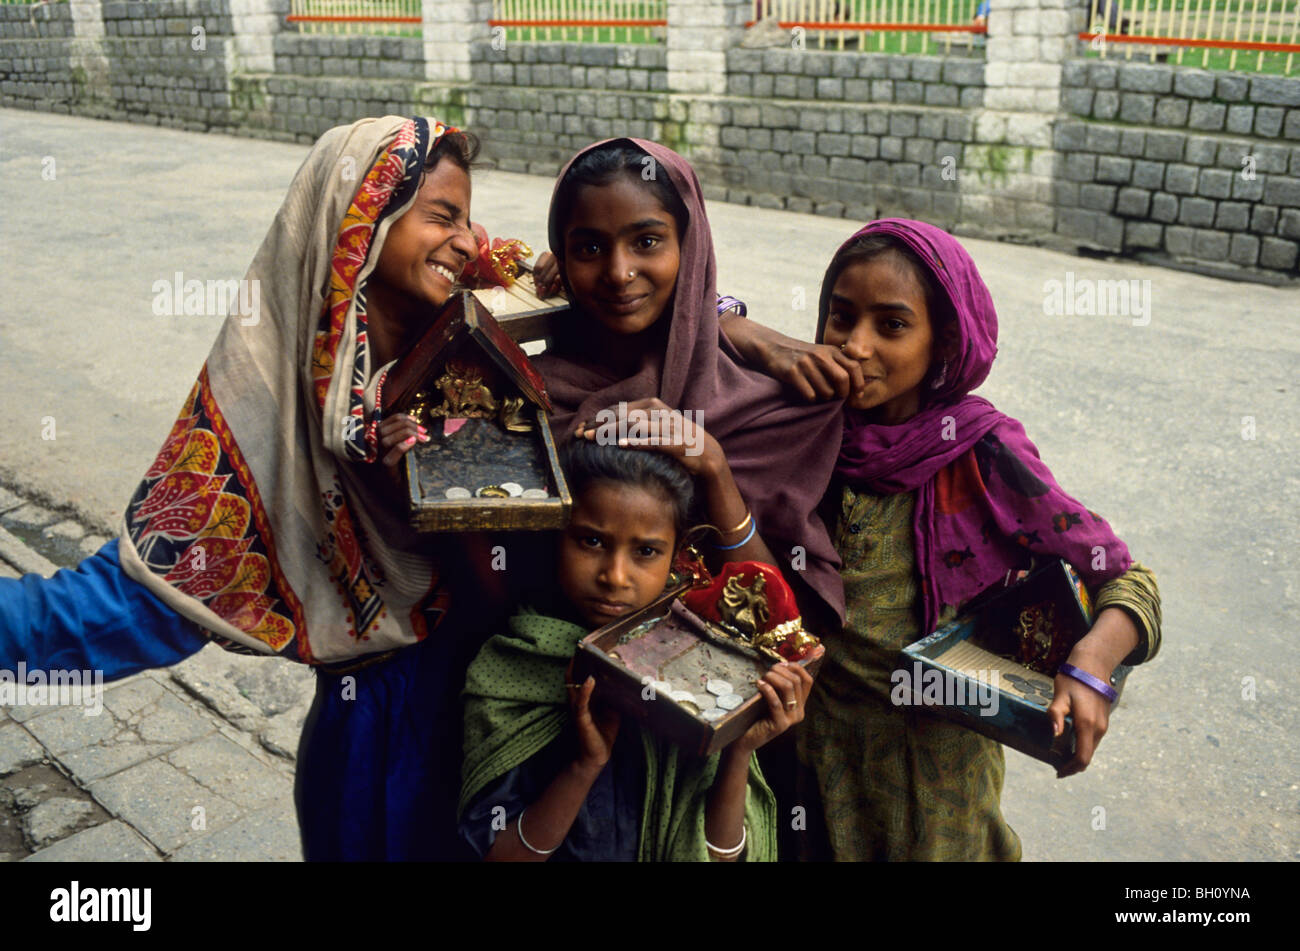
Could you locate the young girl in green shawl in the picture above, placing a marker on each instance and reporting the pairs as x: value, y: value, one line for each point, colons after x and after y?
x: 549, y: 774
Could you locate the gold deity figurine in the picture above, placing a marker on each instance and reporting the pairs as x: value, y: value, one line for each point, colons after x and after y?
x: 744, y: 609
x: 512, y: 416
x: 420, y: 408
x: 465, y: 395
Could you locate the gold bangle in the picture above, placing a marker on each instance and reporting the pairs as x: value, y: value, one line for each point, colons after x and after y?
x: 742, y: 526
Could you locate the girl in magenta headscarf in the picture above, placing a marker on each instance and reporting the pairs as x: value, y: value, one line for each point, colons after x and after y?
x: 936, y: 497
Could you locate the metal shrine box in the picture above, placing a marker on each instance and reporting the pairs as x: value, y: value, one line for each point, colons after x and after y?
x: 983, y: 672
x: 665, y: 643
x: 491, y: 463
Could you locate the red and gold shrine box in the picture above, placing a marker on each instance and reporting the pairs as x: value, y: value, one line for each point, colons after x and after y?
x: 666, y: 666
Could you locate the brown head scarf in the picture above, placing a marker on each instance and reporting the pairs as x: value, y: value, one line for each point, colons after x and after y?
x: 781, y: 454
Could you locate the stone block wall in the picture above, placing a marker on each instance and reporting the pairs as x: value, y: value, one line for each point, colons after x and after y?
x: 35, y: 58
x: 1200, y: 165
x: 535, y: 104
x: 1026, y: 140
x: 854, y: 77
x: 357, y: 57
x: 169, y: 60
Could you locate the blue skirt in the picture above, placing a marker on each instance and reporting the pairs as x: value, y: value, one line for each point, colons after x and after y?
x: 379, y: 759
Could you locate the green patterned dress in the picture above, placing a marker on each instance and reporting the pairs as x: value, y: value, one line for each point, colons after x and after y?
x: 901, y: 783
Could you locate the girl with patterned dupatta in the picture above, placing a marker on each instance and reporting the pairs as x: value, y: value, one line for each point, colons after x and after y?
x: 936, y: 497
x: 269, y: 521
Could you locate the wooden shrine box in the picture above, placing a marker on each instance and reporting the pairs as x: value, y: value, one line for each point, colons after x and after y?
x: 675, y: 646
x: 519, y: 310
x: 981, y: 687
x: 492, y: 455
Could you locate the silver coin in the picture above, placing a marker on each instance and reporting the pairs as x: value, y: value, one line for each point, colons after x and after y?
x: 682, y: 696
x: 534, y: 493
x: 705, y: 701
x: 458, y: 492
x: 718, y: 687
x: 729, y: 701
x: 514, y: 489
x: 713, y: 714
x: 662, y: 687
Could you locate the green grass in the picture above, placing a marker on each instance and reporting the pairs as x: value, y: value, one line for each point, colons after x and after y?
x: 1274, y: 64
x: 621, y: 34
x: 1278, y: 12
x: 885, y: 42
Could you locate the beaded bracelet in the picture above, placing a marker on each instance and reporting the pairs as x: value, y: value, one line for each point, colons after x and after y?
x: 743, y: 542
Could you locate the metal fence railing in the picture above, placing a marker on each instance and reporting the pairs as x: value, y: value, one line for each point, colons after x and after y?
x: 899, y: 26
x: 372, y: 17
x: 1257, y: 35
x: 582, y: 21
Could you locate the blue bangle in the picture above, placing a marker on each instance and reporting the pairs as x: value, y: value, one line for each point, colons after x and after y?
x: 753, y: 527
x: 1096, y: 683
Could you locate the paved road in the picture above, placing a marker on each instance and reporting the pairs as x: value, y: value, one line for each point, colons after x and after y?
x: 1182, y: 430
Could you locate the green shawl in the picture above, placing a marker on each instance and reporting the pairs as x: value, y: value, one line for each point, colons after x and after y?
x: 515, y: 704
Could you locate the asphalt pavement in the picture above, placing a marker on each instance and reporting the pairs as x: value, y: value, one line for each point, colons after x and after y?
x: 1176, y: 419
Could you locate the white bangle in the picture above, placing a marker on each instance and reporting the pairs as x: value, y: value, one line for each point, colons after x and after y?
x: 731, y: 852
x: 519, y: 827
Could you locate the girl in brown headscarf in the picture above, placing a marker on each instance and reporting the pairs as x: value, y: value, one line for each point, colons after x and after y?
x: 633, y: 248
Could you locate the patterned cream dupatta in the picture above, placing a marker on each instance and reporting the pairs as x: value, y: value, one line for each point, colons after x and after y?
x: 252, y: 521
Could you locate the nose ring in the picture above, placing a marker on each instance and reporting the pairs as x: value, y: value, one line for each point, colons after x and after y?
x: 844, y: 347
x: 631, y: 275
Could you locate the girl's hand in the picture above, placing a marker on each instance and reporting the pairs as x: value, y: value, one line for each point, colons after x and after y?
x: 1112, y: 638
x: 815, y: 371
x: 546, y: 275
x: 667, y: 431
x: 1091, y: 714
x: 596, y: 732
x: 785, y: 688
x: 397, y: 434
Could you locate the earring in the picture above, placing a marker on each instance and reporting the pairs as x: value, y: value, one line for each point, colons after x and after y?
x: 938, y: 380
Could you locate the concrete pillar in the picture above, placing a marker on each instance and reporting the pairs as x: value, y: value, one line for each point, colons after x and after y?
x: 253, y: 25
x: 452, y: 30
x: 1027, y: 42
x: 1012, y: 162
x: 699, y: 34
x: 87, y: 60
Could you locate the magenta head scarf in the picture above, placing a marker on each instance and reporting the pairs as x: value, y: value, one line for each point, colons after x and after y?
x: 781, y: 454
x: 985, y: 501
